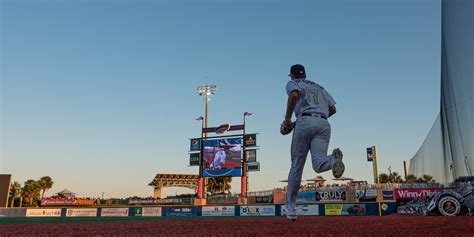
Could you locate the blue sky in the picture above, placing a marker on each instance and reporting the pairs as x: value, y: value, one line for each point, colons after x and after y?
x: 100, y: 95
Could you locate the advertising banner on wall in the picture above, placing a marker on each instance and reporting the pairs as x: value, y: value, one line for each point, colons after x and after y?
x: 195, y: 144
x: 264, y: 199
x: 194, y: 159
x: 83, y: 212
x: 250, y: 140
x: 257, y: 210
x: 59, y: 202
x: 415, y: 193
x: 180, y: 211
x: 43, y: 212
x: 12, y: 212
x: 142, y: 201
x: 218, y: 211
x: 366, y: 193
x: 123, y: 211
x: 333, y: 209
x: 151, y: 211
x: 323, y: 196
x: 387, y: 195
x: 250, y: 156
x: 415, y: 206
x: 303, y: 210
x: 137, y: 211
x: 344, y: 209
x: 333, y: 195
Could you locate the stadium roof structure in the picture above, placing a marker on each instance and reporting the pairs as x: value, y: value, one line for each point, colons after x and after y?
x: 66, y: 193
x: 173, y: 180
x: 343, y: 179
x: 316, y: 179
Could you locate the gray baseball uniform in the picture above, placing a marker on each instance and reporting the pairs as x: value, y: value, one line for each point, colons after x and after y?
x: 312, y: 132
x: 219, y: 159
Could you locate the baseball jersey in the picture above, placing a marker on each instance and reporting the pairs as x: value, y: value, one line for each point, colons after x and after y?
x: 219, y: 159
x: 313, y: 98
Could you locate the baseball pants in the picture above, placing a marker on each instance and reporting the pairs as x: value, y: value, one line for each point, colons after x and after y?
x: 310, y: 134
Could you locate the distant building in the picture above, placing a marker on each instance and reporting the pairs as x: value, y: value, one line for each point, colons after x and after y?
x: 66, y: 194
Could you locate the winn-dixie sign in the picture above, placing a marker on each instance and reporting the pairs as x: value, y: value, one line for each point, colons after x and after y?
x: 413, y: 193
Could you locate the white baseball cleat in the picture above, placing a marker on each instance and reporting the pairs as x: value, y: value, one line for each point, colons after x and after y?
x: 338, y: 167
x: 291, y: 217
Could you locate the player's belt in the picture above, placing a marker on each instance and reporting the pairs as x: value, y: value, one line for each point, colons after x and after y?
x: 314, y: 115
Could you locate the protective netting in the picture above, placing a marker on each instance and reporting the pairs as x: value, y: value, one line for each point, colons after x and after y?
x: 447, y: 152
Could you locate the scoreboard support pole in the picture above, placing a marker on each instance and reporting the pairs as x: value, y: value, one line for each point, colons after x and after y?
x: 244, y: 171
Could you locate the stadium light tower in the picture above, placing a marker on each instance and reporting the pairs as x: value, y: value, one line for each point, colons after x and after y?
x: 206, y: 91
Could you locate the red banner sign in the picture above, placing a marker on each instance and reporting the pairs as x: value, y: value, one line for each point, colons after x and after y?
x: 56, y: 202
x: 413, y: 193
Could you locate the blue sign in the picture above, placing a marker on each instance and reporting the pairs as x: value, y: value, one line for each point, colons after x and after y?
x: 180, y: 211
x: 222, y: 173
x: 195, y: 144
x: 387, y: 195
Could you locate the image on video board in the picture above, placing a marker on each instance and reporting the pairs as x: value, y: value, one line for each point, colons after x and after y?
x: 222, y: 157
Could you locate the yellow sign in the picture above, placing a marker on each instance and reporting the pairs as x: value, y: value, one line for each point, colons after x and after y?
x: 333, y: 209
x: 384, y: 206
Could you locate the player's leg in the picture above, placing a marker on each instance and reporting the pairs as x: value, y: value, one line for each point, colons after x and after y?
x: 299, y: 151
x: 319, y: 148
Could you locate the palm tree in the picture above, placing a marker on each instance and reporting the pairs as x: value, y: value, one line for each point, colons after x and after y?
x: 22, y: 194
x: 32, y: 191
x: 15, y: 191
x: 384, y: 178
x: 211, y: 186
x: 45, y: 183
x: 219, y: 185
x: 411, y: 178
x: 226, y: 184
x: 427, y: 178
x: 394, y: 177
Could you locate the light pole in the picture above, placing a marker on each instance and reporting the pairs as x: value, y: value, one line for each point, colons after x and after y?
x: 245, y: 115
x: 202, y: 122
x: 244, y: 184
x: 206, y: 91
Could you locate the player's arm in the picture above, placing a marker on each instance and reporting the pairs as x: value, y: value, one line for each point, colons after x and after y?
x: 332, y: 110
x: 332, y: 103
x: 290, y: 107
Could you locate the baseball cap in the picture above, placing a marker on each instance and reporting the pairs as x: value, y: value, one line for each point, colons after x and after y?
x: 297, y: 69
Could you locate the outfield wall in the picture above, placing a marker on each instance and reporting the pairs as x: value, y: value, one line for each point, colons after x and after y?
x: 328, y: 209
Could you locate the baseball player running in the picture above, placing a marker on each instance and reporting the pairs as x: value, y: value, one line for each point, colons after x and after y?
x: 219, y: 160
x: 312, y: 106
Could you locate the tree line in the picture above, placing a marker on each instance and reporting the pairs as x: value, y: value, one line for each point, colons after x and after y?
x: 31, y: 193
x: 394, y: 177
